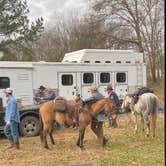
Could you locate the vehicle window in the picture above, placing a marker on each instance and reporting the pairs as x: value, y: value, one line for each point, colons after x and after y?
x: 4, y: 82
x: 121, y: 77
x: 88, y: 78
x: 104, y: 77
x: 67, y: 79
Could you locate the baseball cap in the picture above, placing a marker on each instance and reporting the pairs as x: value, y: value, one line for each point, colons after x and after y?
x: 109, y: 87
x: 8, y: 90
x: 93, y: 88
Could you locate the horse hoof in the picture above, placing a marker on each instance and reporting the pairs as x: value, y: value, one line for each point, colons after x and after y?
x: 46, y: 147
x: 82, y: 148
x: 105, y: 140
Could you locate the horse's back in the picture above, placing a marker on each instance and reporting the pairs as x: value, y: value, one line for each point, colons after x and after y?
x: 148, y: 101
x: 46, y: 106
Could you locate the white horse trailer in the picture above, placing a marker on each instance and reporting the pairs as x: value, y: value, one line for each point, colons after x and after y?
x: 124, y: 69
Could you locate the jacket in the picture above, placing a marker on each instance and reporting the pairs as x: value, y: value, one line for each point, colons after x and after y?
x: 12, y: 111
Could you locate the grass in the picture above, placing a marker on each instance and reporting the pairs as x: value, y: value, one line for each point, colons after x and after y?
x: 123, y: 149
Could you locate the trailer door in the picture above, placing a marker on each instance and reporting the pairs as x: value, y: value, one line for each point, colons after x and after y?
x: 104, y: 78
x: 121, y: 83
x: 67, y: 85
x: 87, y: 79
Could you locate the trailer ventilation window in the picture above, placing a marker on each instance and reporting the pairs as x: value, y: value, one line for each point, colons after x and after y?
x: 121, y: 77
x: 105, y: 77
x: 67, y: 79
x: 118, y: 62
x: 107, y: 61
x: 88, y: 78
x: 86, y: 61
x: 4, y: 82
x: 97, y: 62
x: 128, y: 61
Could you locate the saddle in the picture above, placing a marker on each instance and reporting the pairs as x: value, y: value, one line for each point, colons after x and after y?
x: 60, y: 104
x: 141, y: 91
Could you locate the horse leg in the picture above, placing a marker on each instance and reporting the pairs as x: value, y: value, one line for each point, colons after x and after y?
x: 135, y: 122
x: 46, y: 130
x: 142, y: 122
x: 45, y: 144
x: 101, y: 137
x: 153, y: 123
x: 94, y: 127
x: 97, y: 128
x: 51, y: 136
x: 146, y: 119
x: 81, y: 138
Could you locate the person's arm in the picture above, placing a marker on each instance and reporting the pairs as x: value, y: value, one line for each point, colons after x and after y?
x: 50, y: 96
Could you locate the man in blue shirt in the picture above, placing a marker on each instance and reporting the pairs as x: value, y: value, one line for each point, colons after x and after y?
x: 114, y: 96
x: 12, y: 119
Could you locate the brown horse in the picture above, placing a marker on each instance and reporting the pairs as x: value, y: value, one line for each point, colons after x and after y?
x: 87, y: 115
x: 49, y: 114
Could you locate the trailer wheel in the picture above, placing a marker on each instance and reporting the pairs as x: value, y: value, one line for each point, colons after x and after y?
x: 29, y: 126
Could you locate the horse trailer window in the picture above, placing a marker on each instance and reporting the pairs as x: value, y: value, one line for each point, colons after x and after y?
x: 67, y: 79
x: 121, y: 77
x: 4, y: 82
x: 88, y: 78
x: 104, y: 77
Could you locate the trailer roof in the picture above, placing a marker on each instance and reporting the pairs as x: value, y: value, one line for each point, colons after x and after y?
x: 15, y: 64
x: 103, y: 56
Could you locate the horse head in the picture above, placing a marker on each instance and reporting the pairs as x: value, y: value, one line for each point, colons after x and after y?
x: 128, y: 102
x: 109, y: 106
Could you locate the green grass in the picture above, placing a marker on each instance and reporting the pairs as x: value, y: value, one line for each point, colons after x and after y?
x: 136, y: 150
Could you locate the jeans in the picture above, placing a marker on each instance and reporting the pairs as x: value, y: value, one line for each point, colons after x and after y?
x: 11, y: 131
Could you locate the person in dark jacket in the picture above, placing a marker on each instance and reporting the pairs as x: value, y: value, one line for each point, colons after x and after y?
x: 112, y: 94
x: 12, y: 119
x: 39, y: 94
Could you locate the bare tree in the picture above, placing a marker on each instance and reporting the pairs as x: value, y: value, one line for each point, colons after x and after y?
x: 143, y: 18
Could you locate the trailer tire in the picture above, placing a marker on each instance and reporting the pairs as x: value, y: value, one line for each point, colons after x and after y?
x: 29, y: 126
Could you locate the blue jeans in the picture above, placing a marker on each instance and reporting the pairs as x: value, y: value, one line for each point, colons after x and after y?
x: 11, y: 131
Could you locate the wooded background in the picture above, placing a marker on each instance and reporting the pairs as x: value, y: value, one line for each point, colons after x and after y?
x: 115, y: 24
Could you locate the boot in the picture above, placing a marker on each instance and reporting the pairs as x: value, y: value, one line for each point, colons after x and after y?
x: 11, y: 144
x: 17, y: 145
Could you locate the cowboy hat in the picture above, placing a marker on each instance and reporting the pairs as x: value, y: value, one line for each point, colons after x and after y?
x: 93, y: 88
x: 8, y: 90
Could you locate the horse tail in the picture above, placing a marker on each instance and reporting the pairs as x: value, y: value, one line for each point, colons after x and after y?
x: 41, y: 127
x: 154, y: 114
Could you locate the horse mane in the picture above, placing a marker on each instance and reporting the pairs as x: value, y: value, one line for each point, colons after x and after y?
x: 89, y: 103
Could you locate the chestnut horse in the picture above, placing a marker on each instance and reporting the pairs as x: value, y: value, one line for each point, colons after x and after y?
x: 87, y: 115
x: 49, y: 114
x: 147, y: 105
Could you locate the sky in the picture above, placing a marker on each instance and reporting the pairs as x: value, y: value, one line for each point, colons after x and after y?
x: 49, y: 8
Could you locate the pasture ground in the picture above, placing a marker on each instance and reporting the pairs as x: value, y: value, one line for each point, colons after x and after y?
x: 123, y: 149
